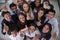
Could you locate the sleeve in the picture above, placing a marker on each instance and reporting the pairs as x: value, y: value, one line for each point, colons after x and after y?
x: 56, y: 29
x: 37, y: 32
x: 2, y: 28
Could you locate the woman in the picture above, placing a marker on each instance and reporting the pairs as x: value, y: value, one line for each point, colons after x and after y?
x: 40, y: 18
x: 28, y: 12
x: 46, y: 32
x: 22, y: 22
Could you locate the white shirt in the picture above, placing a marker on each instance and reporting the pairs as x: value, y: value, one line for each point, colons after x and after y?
x: 54, y: 24
x: 17, y: 37
x: 32, y: 34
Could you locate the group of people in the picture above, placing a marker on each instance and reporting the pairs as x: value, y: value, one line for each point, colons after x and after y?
x: 30, y: 20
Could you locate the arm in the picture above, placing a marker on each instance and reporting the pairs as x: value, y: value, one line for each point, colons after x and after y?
x: 56, y: 30
x: 5, y: 28
x: 36, y: 37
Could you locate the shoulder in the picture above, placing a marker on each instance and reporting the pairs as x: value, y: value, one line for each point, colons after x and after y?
x: 37, y: 31
x: 3, y: 21
x: 54, y: 20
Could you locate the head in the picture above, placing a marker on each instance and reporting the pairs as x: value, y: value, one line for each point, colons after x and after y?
x: 13, y: 7
x: 40, y: 12
x: 51, y: 14
x: 37, y: 3
x: 22, y: 17
x: 20, y: 2
x: 13, y: 30
x: 32, y: 27
x: 6, y: 16
x: 47, y: 28
x: 46, y: 2
x: 26, y: 7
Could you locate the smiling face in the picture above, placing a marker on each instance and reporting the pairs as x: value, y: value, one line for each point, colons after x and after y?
x: 45, y: 29
x: 51, y: 15
x: 7, y: 17
x: 31, y: 29
x: 40, y: 13
x: 22, y: 18
x: 14, y: 9
x: 25, y: 7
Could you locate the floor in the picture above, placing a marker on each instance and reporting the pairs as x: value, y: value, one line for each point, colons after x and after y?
x: 54, y: 2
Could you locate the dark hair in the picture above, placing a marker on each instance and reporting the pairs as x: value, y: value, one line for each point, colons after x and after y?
x: 3, y: 13
x: 32, y: 24
x: 50, y: 27
x: 46, y: 1
x: 39, y: 1
x: 41, y: 9
x: 43, y: 17
x: 21, y: 13
x: 52, y: 11
x: 12, y: 5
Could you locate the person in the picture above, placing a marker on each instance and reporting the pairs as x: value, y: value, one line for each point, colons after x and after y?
x: 45, y: 33
x: 36, y: 5
x: 14, y: 34
x: 40, y: 18
x: 20, y: 4
x: 28, y: 11
x: 13, y: 9
x: 14, y: 12
x: 53, y: 21
x: 47, y: 6
x: 32, y: 33
x: 6, y: 22
x: 22, y: 22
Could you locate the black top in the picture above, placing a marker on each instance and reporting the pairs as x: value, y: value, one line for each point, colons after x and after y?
x: 34, y: 6
x: 7, y: 23
x: 44, y: 35
x: 42, y: 19
x: 20, y: 25
x: 15, y: 18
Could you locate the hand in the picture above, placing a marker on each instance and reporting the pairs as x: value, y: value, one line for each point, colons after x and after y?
x: 36, y: 37
x: 43, y: 39
x: 25, y: 29
x: 38, y: 23
x: 5, y: 28
x: 54, y: 35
